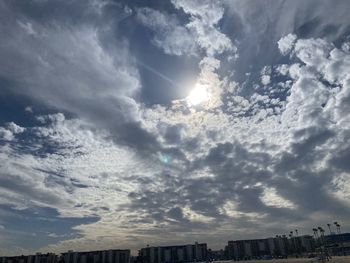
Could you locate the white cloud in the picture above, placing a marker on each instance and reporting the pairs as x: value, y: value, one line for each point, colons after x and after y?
x: 265, y: 79
x: 282, y: 69
x: 72, y: 70
x: 27, y: 27
x: 193, y: 216
x: 271, y: 198
x: 289, y: 133
x: 170, y: 35
x: 201, y: 33
x: 8, y: 133
x: 203, y: 24
x: 285, y: 44
x: 28, y: 109
x: 14, y: 128
x: 87, y: 173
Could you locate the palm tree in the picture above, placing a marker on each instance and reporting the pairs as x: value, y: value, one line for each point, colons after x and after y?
x: 322, y: 233
x: 292, y: 240
x: 297, y: 241
x: 330, y: 230
x: 341, y: 238
x: 337, y: 227
x: 317, y: 239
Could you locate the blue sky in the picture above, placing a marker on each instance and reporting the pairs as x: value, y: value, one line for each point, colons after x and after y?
x: 126, y: 123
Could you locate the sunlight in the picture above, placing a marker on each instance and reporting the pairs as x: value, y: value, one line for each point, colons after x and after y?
x: 198, y: 95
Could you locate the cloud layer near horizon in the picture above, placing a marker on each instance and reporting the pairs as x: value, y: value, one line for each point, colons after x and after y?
x: 267, y: 153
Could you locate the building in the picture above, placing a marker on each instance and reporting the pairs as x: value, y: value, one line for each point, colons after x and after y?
x: 102, y: 256
x: 337, y: 244
x: 37, y: 258
x: 279, y: 246
x: 248, y: 249
x: 301, y: 244
x: 167, y: 254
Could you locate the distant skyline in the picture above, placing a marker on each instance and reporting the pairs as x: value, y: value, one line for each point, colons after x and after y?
x: 127, y: 123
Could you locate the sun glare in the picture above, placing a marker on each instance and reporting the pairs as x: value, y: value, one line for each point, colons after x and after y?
x: 198, y: 95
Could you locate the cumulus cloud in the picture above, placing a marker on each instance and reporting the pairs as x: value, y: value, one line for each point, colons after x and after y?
x: 10, y: 130
x: 285, y: 44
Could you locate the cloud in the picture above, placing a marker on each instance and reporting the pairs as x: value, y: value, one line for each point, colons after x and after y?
x: 257, y: 27
x: 28, y: 109
x: 70, y: 68
x: 286, y: 43
x: 201, y: 33
x: 27, y: 27
x: 170, y: 35
x: 204, y: 17
x: 77, y: 170
x: 14, y: 128
x: 6, y: 134
x: 10, y: 130
x: 277, y: 172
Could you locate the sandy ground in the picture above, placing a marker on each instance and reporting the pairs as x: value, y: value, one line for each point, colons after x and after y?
x: 295, y: 260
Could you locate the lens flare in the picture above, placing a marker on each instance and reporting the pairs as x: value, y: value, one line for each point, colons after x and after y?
x: 164, y: 158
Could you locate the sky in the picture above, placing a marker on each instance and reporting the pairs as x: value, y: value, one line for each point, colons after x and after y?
x: 163, y: 122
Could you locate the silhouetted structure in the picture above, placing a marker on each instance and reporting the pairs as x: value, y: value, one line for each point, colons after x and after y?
x: 338, y: 244
x: 248, y: 249
x: 167, y: 254
x: 279, y: 246
x: 37, y: 258
x: 102, y: 256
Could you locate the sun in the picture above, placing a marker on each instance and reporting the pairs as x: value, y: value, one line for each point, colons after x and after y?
x: 198, y: 95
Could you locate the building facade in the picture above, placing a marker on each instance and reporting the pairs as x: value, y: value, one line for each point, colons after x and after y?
x: 248, y: 249
x: 37, y: 258
x: 279, y: 246
x: 170, y: 254
x: 337, y: 244
x: 301, y: 244
x: 102, y: 256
